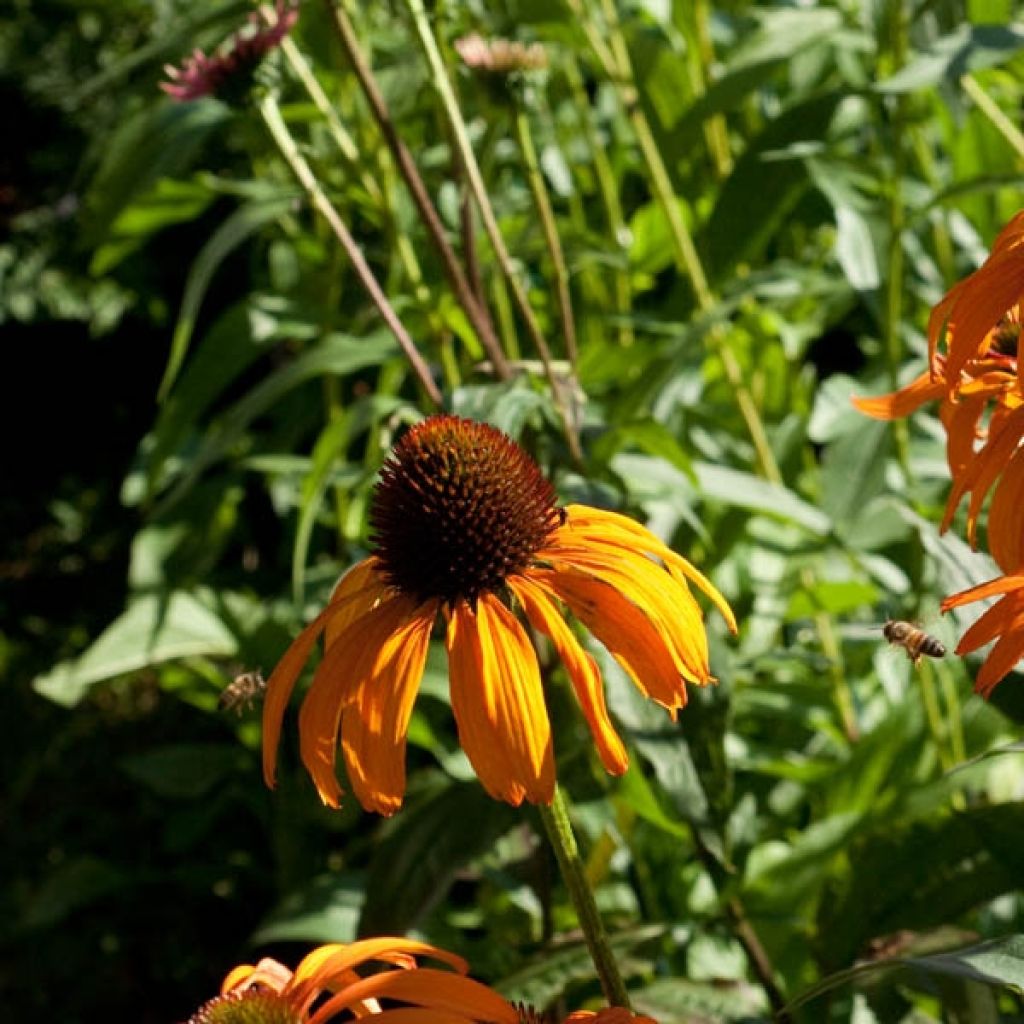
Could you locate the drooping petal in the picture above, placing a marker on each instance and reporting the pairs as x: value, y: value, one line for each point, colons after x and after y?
x: 357, y: 656
x: 990, y: 588
x: 1009, y: 649
x: 355, y: 593
x: 374, y: 725
x: 364, y: 579
x: 984, y: 468
x: 583, y: 671
x: 992, y: 622
x: 661, y: 593
x: 599, y: 526
x: 327, y: 964
x: 628, y: 632
x: 459, y: 996
x: 1006, y: 516
x: 898, y: 404
x: 961, y: 421
x: 498, y: 702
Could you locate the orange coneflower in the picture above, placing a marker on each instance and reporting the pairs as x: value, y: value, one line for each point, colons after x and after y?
x: 978, y: 382
x: 325, y: 987
x: 609, y: 1015
x: 465, y: 527
x: 229, y: 74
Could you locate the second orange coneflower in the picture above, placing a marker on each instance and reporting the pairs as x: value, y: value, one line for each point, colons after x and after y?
x: 466, y: 528
x: 977, y: 379
x: 326, y: 987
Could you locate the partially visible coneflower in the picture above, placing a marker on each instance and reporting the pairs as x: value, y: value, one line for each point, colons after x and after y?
x: 609, y: 1015
x: 465, y: 527
x: 230, y: 73
x: 977, y: 381
x: 500, y: 56
x: 326, y: 987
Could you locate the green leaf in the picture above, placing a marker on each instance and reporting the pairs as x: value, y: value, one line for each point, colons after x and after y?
x: 853, y: 470
x: 541, y: 982
x: 325, y: 910
x: 968, y: 48
x: 244, y: 222
x: 649, y: 436
x: 744, y: 490
x: 167, y: 202
x: 156, y: 143
x: 414, y: 866
x: 70, y: 887
x: 335, y: 354
x: 154, y: 629
x: 739, y: 230
x: 187, y: 771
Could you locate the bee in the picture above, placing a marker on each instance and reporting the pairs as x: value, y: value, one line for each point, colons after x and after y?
x: 243, y: 691
x: 916, y: 642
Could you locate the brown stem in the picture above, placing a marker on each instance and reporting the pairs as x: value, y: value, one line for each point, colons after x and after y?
x: 302, y: 171
x: 418, y: 190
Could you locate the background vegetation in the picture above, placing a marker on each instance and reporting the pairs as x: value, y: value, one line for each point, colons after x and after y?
x: 837, y: 165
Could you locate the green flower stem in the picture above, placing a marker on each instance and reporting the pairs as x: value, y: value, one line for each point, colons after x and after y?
x: 418, y: 191
x: 609, y: 193
x: 542, y: 201
x: 895, y: 59
x: 347, y: 148
x: 289, y: 150
x: 560, y: 834
x: 443, y: 87
x: 994, y: 113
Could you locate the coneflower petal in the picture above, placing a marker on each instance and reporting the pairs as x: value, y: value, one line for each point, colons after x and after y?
x: 625, y: 630
x: 374, y: 725
x: 605, y: 526
x: 359, y: 654
x: 663, y: 597
x: 991, y: 623
x: 428, y: 988
x: 898, y: 404
x: 498, y: 702
x: 583, y: 671
x: 1006, y: 653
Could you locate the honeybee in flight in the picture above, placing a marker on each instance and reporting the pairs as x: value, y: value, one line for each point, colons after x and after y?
x: 916, y: 642
x: 243, y: 691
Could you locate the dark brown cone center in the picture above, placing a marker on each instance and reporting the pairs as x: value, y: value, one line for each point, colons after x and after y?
x: 458, y: 508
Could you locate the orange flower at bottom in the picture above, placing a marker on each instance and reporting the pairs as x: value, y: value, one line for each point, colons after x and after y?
x: 1005, y: 619
x: 325, y: 986
x: 611, y: 1015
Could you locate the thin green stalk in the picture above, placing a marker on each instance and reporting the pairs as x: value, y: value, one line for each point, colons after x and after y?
x: 954, y: 718
x: 934, y: 716
x: 289, y: 150
x: 418, y: 191
x: 894, y: 275
x: 443, y: 87
x: 559, y: 831
x: 542, y: 201
x: 608, y: 190
x: 716, y: 132
x: 994, y: 113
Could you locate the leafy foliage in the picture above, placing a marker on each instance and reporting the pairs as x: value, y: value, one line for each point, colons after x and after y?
x: 835, y: 172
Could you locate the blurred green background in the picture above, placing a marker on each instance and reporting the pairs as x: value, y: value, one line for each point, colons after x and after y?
x: 839, y: 165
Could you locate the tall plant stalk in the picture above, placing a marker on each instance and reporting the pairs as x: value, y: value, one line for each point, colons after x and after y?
x: 287, y: 147
x: 418, y: 191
